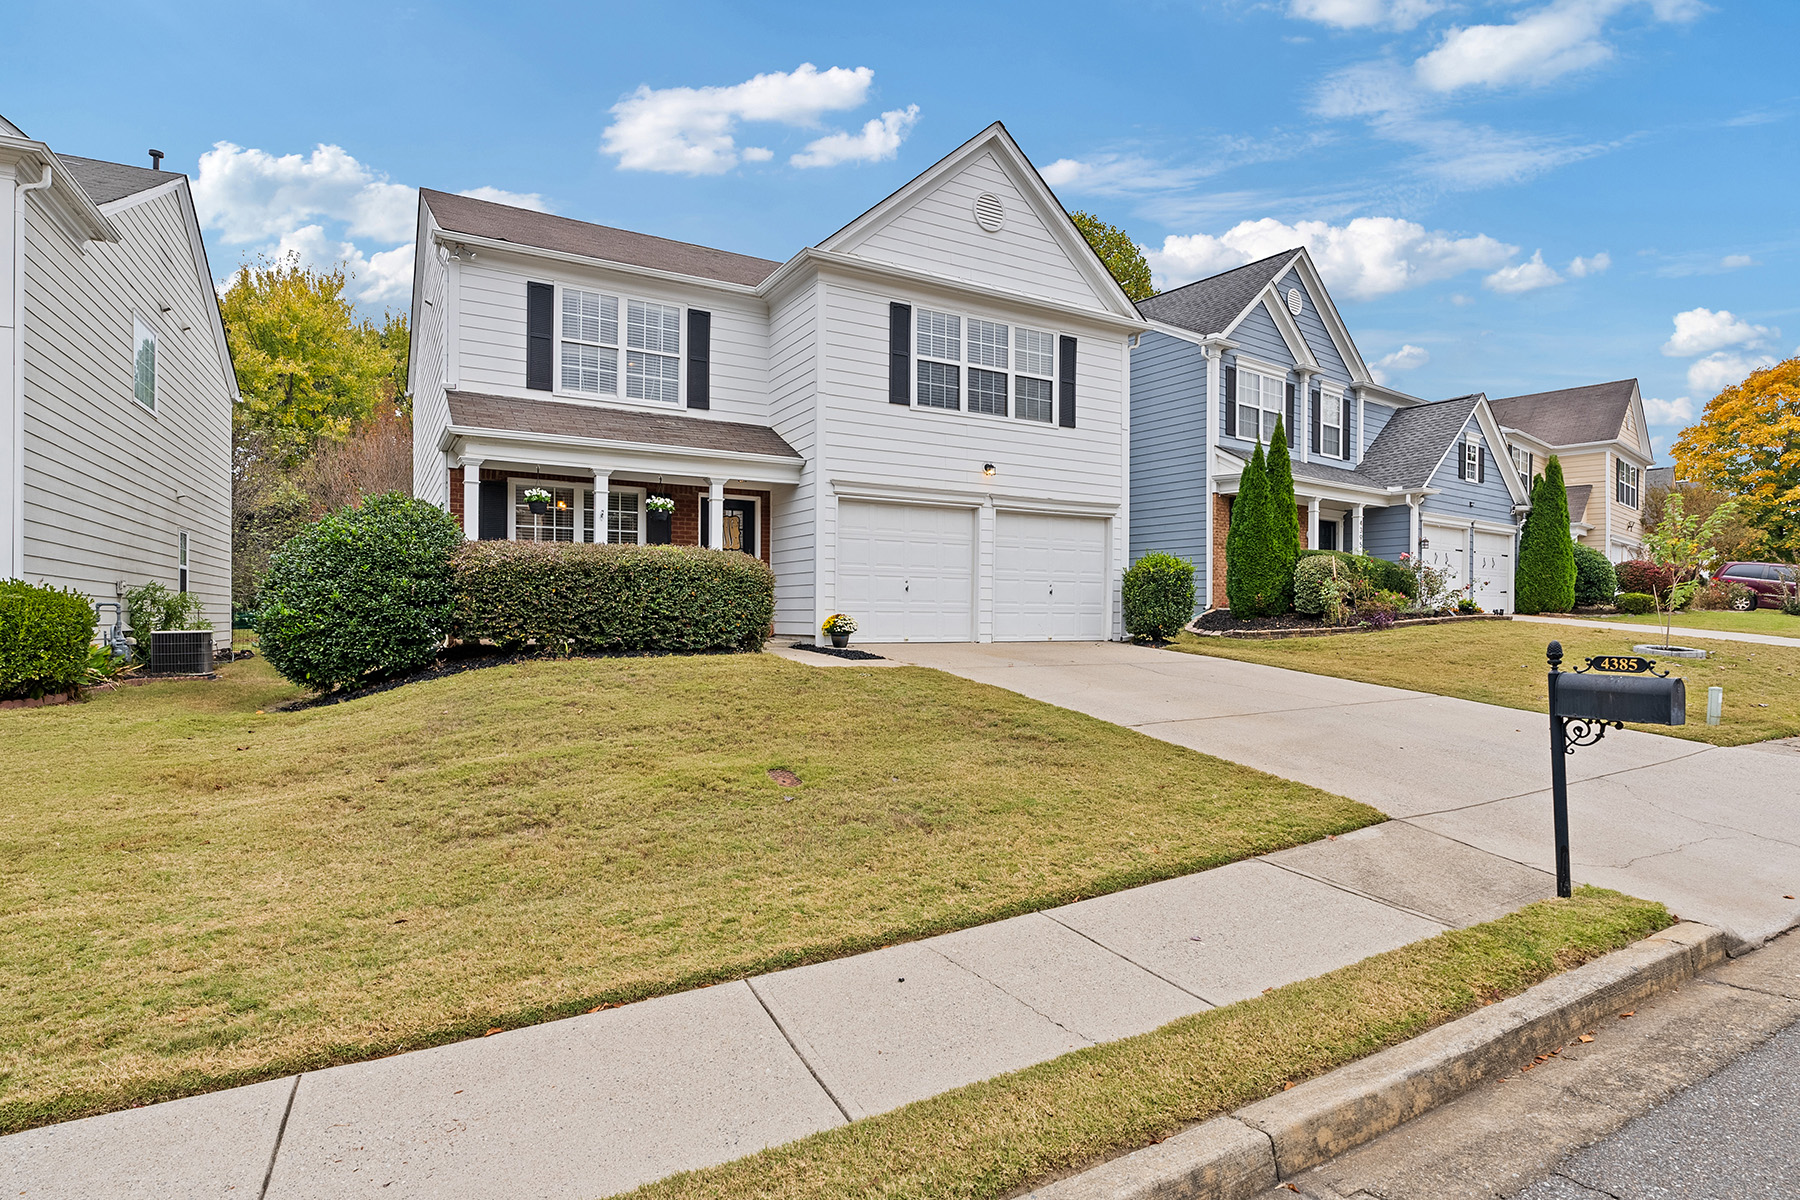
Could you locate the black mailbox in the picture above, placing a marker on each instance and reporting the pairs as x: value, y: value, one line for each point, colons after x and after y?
x: 1640, y: 699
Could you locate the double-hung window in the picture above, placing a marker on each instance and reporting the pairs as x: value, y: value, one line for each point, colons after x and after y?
x: 653, y: 351
x: 181, y: 562
x: 1523, y: 462
x: 988, y: 360
x: 1034, y: 362
x: 1259, y: 401
x: 590, y: 342
x: 940, y: 350
x: 555, y: 524
x: 1471, y: 458
x: 1627, y: 486
x: 1331, y: 423
x: 624, y: 518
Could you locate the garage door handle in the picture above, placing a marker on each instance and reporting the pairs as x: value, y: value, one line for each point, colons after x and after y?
x: 906, y: 586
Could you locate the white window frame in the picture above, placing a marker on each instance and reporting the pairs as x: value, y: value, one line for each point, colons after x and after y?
x: 143, y: 329
x: 968, y: 361
x: 614, y: 349
x: 516, y: 495
x: 1471, y: 452
x: 181, y: 561
x: 1331, y: 404
x: 1522, y: 469
x: 622, y: 351
x: 942, y: 360
x: 643, y: 521
x: 1276, y: 409
x: 1019, y: 373
x: 628, y: 350
x: 1621, y: 487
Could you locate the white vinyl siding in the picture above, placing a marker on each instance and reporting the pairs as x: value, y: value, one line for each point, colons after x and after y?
x: 653, y: 354
x: 590, y: 342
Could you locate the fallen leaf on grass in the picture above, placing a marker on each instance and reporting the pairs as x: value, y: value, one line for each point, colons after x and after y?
x: 1587, y: 1037
x: 493, y: 1031
x: 1632, y: 1013
x: 1286, y: 1086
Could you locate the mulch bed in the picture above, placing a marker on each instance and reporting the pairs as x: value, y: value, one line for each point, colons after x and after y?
x: 1219, y: 622
x: 835, y: 652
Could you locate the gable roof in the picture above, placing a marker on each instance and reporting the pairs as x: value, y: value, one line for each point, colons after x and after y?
x: 504, y: 223
x: 1573, y: 416
x: 105, y: 182
x: 554, y: 418
x: 1407, y: 451
x: 1210, y: 305
x: 1578, y: 497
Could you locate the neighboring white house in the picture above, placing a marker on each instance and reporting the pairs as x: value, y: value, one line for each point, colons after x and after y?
x: 922, y: 421
x: 116, y: 386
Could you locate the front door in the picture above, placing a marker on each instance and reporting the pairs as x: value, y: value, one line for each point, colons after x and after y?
x: 740, y: 525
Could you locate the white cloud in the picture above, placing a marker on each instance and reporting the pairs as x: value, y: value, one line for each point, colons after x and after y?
x: 1581, y: 268
x: 382, y: 278
x: 1701, y: 331
x: 878, y: 141
x: 1369, y: 256
x: 1669, y: 412
x: 757, y: 154
x: 1707, y: 375
x: 249, y: 195
x: 1363, y: 14
x: 1462, y: 301
x: 531, y: 200
x: 1118, y: 175
x: 1407, y: 358
x: 1527, y: 276
x: 689, y: 131
x: 1541, y: 46
x: 1732, y: 262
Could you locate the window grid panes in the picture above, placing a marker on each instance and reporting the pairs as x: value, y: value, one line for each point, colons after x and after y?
x: 1259, y: 399
x: 590, y: 340
x: 1627, y: 484
x: 987, y: 392
x: 938, y: 384
x: 1471, y: 460
x: 1032, y: 401
x: 940, y: 335
x: 987, y: 344
x: 556, y: 524
x: 1522, y: 462
x: 623, y: 517
x: 1034, y: 360
x: 143, y: 364
x: 1331, y: 424
x: 1036, y: 353
x: 653, y: 354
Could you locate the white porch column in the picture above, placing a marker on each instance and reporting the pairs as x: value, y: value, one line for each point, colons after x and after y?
x: 715, y: 514
x: 602, y: 480
x: 471, y: 468
x: 1356, y: 530
x: 1302, y: 414
x: 1312, y: 522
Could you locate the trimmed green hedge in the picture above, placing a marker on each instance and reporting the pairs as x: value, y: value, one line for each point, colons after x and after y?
x: 1388, y: 576
x: 360, y: 594
x: 1635, y: 603
x: 609, y: 598
x: 45, y: 634
x: 1158, y: 596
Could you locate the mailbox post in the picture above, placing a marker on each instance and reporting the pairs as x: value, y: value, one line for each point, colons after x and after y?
x: 1621, y: 688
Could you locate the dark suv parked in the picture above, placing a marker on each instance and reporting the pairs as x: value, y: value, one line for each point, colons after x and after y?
x: 1769, y: 582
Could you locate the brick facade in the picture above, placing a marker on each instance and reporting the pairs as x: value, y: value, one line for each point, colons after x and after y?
x: 1221, y: 528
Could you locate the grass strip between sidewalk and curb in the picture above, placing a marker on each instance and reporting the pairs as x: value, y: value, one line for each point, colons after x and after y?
x: 995, y: 1138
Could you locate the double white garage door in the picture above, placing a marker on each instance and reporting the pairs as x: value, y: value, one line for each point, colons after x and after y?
x: 1490, y: 564
x: 911, y: 572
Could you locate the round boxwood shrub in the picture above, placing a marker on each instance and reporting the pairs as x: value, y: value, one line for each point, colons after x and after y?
x: 1635, y: 603
x: 1316, y: 576
x: 45, y: 634
x: 1158, y: 596
x: 1376, y: 572
x: 360, y: 594
x: 601, y: 598
x: 1595, y: 580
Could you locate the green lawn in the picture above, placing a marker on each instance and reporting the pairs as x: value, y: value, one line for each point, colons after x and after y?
x: 1502, y: 662
x: 993, y: 1139
x: 1764, y: 620
x: 198, y: 890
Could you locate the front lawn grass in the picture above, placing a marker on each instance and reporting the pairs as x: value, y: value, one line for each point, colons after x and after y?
x: 197, y: 890
x: 1764, y: 620
x: 993, y: 1138
x: 1502, y: 662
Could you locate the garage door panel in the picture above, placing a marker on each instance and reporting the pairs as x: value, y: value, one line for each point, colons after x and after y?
x: 1493, y: 570
x: 1049, y: 577
x: 906, y: 572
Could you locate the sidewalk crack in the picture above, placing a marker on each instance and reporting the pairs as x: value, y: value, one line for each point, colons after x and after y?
x: 800, y: 1054
x: 280, y: 1132
x: 962, y: 966
x: 1127, y: 958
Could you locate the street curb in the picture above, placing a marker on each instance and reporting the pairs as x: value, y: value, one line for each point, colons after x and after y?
x: 1239, y: 1156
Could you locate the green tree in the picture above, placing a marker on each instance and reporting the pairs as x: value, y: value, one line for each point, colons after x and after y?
x: 1284, y: 512
x: 1545, y: 578
x: 1258, y: 580
x: 1683, y: 542
x: 1122, y: 256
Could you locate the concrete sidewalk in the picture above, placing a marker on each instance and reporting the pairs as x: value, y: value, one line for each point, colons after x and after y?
x: 1712, y: 832
x: 598, y: 1104
x: 1676, y: 632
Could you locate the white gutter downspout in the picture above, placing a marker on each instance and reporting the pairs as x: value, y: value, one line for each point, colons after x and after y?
x: 14, y: 564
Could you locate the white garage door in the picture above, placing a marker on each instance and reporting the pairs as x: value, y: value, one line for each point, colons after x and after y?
x: 1494, y: 571
x: 906, y: 571
x: 1049, y: 578
x: 1448, y: 551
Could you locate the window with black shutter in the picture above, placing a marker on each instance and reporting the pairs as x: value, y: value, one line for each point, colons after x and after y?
x: 900, y: 354
x: 1065, y: 382
x: 1230, y: 374
x: 540, y: 336
x: 699, y: 380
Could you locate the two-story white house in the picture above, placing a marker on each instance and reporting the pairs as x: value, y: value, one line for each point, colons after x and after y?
x: 923, y: 421
x: 116, y: 386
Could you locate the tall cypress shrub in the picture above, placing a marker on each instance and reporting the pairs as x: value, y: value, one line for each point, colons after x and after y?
x: 1257, y: 577
x: 1284, y: 514
x: 1545, y: 578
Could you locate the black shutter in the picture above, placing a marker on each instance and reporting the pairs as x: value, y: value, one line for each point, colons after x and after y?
x: 1293, y: 417
x: 699, y: 380
x: 1480, y: 466
x: 540, y: 321
x: 1462, y: 460
x: 1318, y: 398
x: 492, y: 525
x: 899, y: 354
x: 1230, y: 401
x: 1065, y: 386
x: 1344, y: 438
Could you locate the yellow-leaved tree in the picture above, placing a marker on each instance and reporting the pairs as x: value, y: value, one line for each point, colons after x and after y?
x: 1747, y: 445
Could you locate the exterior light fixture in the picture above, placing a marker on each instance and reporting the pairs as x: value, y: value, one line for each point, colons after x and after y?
x: 987, y: 468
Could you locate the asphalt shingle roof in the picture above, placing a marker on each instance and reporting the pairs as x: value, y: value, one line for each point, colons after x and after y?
x: 503, y: 222
x: 105, y: 182
x: 478, y: 410
x: 1578, y: 497
x: 1209, y: 305
x: 1570, y: 416
x: 1414, y: 441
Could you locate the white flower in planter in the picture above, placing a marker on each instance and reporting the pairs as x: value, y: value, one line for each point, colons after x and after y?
x: 536, y: 496
x: 660, y: 504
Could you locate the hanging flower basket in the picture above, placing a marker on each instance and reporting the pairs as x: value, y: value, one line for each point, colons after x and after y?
x: 538, y: 499
x: 660, y: 506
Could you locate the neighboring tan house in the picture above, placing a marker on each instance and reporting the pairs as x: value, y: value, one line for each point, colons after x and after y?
x: 921, y: 421
x: 116, y: 387
x: 1599, y: 434
x: 1375, y: 470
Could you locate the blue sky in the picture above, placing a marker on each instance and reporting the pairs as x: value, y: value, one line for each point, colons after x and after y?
x: 1502, y: 197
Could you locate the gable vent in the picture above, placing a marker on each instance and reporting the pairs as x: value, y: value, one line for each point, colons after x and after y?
x: 990, y: 214
x: 1294, y: 302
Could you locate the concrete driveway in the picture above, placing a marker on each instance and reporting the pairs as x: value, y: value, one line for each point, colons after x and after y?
x: 1712, y: 832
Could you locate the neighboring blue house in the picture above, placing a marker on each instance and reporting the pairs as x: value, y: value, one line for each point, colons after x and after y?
x: 1375, y: 470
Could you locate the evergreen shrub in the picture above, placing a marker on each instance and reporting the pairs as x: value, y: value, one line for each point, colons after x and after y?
x: 1635, y: 603
x: 45, y: 636
x: 1379, y: 572
x: 1320, y: 581
x: 1544, y: 580
x: 1259, y: 577
x: 1158, y: 596
x: 1595, y: 580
